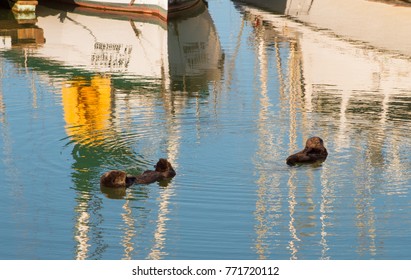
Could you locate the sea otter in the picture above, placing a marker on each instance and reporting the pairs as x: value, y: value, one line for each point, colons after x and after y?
x: 120, y: 179
x: 314, y: 151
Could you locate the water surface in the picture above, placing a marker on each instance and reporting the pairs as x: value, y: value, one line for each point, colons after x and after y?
x: 226, y: 106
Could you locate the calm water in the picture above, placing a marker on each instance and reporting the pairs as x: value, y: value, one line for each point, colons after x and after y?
x: 226, y: 95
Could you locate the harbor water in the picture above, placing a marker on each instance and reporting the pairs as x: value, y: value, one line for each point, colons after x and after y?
x: 225, y: 93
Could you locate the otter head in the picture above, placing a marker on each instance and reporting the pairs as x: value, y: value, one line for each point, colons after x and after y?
x: 315, y: 143
x: 165, y: 168
x: 116, y: 179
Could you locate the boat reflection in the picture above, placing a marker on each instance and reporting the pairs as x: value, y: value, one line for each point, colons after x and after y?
x: 134, y: 45
x: 351, y: 20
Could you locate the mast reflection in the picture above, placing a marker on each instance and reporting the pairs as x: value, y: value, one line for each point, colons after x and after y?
x: 268, y: 205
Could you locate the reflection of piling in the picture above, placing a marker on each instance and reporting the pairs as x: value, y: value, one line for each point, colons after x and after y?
x: 23, y: 6
x: 19, y: 29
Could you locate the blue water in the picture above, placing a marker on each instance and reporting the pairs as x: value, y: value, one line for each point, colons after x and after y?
x: 226, y: 134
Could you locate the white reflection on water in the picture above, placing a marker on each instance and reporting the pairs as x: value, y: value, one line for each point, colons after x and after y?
x: 268, y: 191
x: 157, y: 251
x: 82, y: 228
x: 326, y: 209
x: 160, y: 238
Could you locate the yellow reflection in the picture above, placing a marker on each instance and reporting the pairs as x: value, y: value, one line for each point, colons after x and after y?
x: 87, y: 108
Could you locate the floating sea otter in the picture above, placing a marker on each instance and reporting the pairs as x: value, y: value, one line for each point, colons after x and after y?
x: 314, y: 151
x: 120, y: 179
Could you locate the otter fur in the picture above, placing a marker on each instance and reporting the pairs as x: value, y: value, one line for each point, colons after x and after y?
x: 314, y: 151
x: 120, y: 179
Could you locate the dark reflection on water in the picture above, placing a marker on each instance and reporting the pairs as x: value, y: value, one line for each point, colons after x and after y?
x: 226, y: 94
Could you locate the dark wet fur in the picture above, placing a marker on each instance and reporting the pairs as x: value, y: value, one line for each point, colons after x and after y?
x: 313, y: 152
x: 119, y: 179
x: 163, y: 170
